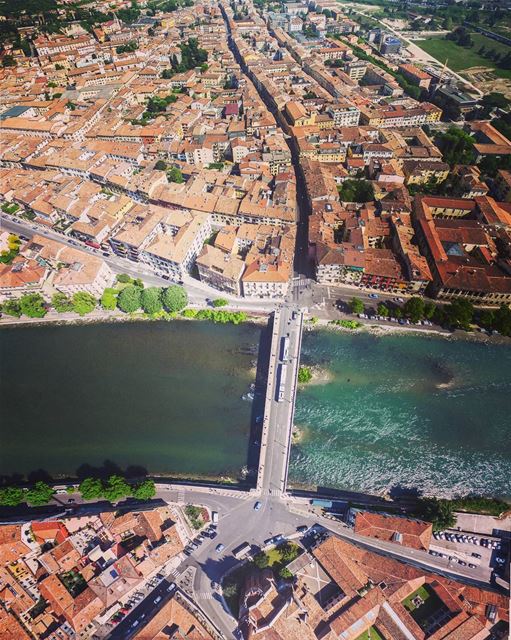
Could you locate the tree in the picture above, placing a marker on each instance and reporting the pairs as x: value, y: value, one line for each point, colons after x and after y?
x: 61, y: 303
x: 116, y: 488
x: 33, y: 305
x: 151, y: 300
x: 129, y: 299
x: 109, y: 299
x: 174, y: 298
x: 285, y: 574
x: 356, y: 305
x: 304, y: 374
x: 382, y: 310
x: 439, y: 512
x: 12, y: 308
x: 175, y: 175
x: 11, y: 496
x: 160, y: 165
x: 495, y: 100
x: 145, y: 491
x: 261, y: 561
x: 457, y: 146
x: 356, y: 191
x: 460, y: 313
x: 84, y: 302
x: 220, y: 302
x: 414, y: 309
x: 40, y: 494
x: 124, y: 278
x: 91, y: 489
x: 429, y: 310
x: 230, y: 590
x: 8, y: 61
x: 502, y: 320
x: 166, y: 74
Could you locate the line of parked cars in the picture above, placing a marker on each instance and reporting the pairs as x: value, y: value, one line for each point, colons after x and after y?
x: 426, y: 323
x: 468, y: 539
x: 210, y: 533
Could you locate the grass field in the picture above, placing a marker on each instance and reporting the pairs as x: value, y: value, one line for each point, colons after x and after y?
x: 370, y: 634
x: 461, y: 58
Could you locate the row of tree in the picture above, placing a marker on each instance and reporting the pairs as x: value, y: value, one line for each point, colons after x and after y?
x: 130, y: 299
x: 459, y: 314
x: 113, y: 489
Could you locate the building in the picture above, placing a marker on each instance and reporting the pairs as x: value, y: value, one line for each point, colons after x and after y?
x: 416, y: 76
x: 456, y: 236
x: 408, y: 533
x: 502, y: 186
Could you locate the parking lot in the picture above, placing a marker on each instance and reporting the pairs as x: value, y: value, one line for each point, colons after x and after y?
x: 470, y: 550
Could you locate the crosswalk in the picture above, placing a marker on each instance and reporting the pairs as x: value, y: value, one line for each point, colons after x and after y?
x: 180, y: 496
x: 205, y: 596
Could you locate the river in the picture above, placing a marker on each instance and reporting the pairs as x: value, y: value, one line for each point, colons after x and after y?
x: 164, y: 396
x: 405, y: 412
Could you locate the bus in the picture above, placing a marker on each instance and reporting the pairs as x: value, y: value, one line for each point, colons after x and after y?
x: 284, y: 349
x: 281, y: 382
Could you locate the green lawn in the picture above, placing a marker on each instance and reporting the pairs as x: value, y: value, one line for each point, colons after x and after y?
x: 371, y: 634
x: 461, y: 58
x: 431, y: 605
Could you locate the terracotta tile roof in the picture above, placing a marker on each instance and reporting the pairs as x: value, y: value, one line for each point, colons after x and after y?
x: 410, y: 533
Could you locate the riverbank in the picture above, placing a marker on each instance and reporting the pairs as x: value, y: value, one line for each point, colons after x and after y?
x: 383, y: 328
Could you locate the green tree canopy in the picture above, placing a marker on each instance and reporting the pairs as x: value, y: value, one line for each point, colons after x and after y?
x: 91, y: 489
x: 356, y: 191
x: 11, y: 496
x: 356, y: 305
x: 151, y: 300
x: 33, y: 305
x: 220, y: 302
x: 174, y: 298
x: 174, y: 174
x: 129, y: 299
x: 83, y: 302
x: 61, y: 302
x: 382, y: 310
x: 12, y: 308
x: 261, y: 561
x: 460, y: 313
x: 40, y: 494
x: 124, y: 278
x: 145, y: 490
x: 109, y: 299
x: 414, y: 309
x: 116, y: 488
x: 161, y: 165
x: 439, y: 512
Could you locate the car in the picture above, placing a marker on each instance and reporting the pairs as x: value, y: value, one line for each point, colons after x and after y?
x: 166, y: 277
x: 433, y: 553
x: 302, y: 528
x: 471, y: 566
x: 500, y: 560
x: 171, y: 587
x: 194, y: 546
x: 213, y: 535
x: 187, y: 552
x: 374, y: 296
x: 462, y: 563
x: 219, y: 548
x: 156, y: 600
x: 476, y: 555
x: 135, y: 624
x: 257, y: 506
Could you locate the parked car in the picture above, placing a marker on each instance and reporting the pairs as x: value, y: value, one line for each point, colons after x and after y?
x: 219, y: 548
x: 373, y: 296
x: 476, y: 555
x: 257, y: 506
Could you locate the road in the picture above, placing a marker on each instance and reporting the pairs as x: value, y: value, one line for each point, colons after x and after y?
x: 198, y: 292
